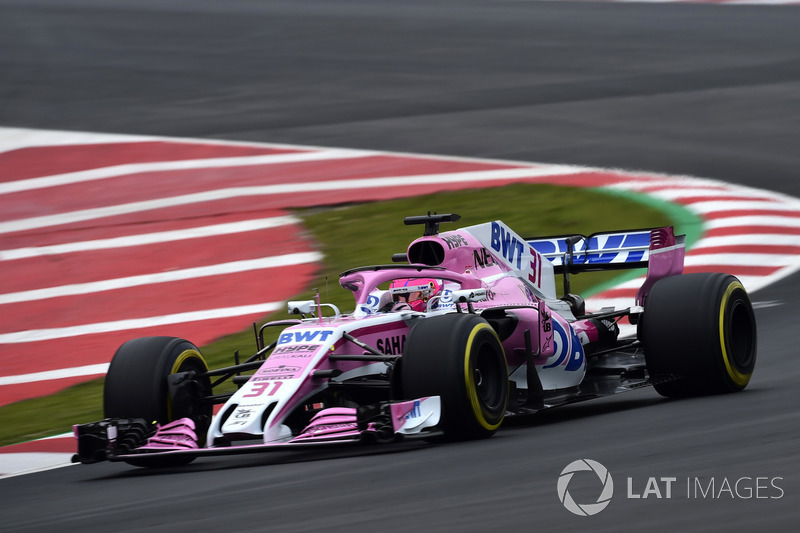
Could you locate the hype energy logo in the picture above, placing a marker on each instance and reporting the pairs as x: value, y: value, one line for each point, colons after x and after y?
x: 604, y: 480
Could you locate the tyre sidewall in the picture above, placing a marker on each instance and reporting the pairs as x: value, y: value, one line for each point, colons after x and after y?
x: 701, y: 328
x: 440, y: 358
x: 478, y: 354
x: 136, y: 384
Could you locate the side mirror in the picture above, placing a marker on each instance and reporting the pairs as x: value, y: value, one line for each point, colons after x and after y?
x: 301, y: 307
x: 470, y: 295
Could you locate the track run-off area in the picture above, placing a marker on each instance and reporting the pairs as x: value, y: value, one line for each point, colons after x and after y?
x: 105, y: 237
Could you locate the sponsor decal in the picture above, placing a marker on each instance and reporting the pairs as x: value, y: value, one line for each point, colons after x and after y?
x: 271, y: 378
x: 304, y: 336
x: 483, y: 259
x: 294, y: 350
x: 279, y: 369
x: 546, y: 322
x: 277, y: 372
x: 446, y: 299
x: 415, y: 411
x: 598, y: 249
x: 259, y: 388
x: 504, y: 243
x: 242, y: 413
x: 414, y: 416
x: 516, y: 252
x: 454, y: 241
x: 241, y: 416
x: 371, y: 305
x: 611, y: 242
x: 568, y: 349
x: 391, y: 345
x: 553, y: 246
x: 306, y: 355
x: 326, y: 428
x: 535, y: 274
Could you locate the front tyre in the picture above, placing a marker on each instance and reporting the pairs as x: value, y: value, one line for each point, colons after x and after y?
x: 136, y: 384
x: 459, y: 358
x: 699, y: 335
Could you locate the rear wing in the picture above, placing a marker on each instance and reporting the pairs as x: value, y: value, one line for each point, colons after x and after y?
x: 658, y: 249
x: 607, y: 250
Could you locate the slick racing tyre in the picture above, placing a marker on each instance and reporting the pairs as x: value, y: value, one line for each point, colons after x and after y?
x: 699, y: 335
x: 136, y: 385
x: 459, y: 358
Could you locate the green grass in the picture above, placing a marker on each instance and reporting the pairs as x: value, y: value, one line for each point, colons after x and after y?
x: 367, y: 234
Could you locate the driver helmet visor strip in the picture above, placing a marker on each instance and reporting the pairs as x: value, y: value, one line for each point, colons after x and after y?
x: 412, y: 290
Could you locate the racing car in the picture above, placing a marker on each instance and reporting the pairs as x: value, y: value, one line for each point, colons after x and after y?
x: 458, y: 333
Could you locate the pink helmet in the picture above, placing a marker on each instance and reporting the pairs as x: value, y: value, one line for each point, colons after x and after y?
x: 415, y: 291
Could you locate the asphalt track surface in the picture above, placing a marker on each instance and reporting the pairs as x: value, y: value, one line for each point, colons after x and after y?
x: 698, y: 89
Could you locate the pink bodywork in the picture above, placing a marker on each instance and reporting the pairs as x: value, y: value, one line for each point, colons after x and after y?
x: 177, y: 435
x: 666, y: 259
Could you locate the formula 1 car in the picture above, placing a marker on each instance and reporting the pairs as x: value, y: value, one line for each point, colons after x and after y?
x: 460, y: 332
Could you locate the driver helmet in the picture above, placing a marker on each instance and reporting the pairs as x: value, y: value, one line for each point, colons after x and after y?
x: 415, y: 291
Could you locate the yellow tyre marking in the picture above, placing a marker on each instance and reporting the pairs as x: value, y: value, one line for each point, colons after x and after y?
x: 737, y: 377
x: 469, y: 379
x: 184, y: 356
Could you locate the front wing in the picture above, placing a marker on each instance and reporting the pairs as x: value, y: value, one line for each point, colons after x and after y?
x: 136, y: 440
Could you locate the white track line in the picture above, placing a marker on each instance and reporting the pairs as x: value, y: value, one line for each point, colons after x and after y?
x: 20, y: 464
x: 187, y: 164
x: 17, y: 138
x: 663, y: 182
x: 78, y: 371
x: 716, y: 3
x: 706, y: 208
x: 698, y: 192
x: 284, y: 188
x: 150, y: 238
x: 779, y: 220
x: 743, y: 240
x: 741, y: 259
x: 34, y: 335
x: 760, y: 2
x: 233, y: 267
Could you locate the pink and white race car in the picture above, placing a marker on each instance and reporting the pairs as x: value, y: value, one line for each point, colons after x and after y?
x: 462, y: 331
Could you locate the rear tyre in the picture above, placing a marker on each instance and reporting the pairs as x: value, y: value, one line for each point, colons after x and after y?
x: 458, y: 357
x: 136, y: 386
x: 699, y: 335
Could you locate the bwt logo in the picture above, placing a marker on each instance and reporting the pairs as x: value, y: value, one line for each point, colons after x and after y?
x: 415, y: 411
x: 304, y: 336
x: 507, y: 245
x: 586, y: 509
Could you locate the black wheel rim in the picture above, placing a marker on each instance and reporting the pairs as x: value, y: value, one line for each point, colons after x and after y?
x: 489, y: 377
x: 741, y: 340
